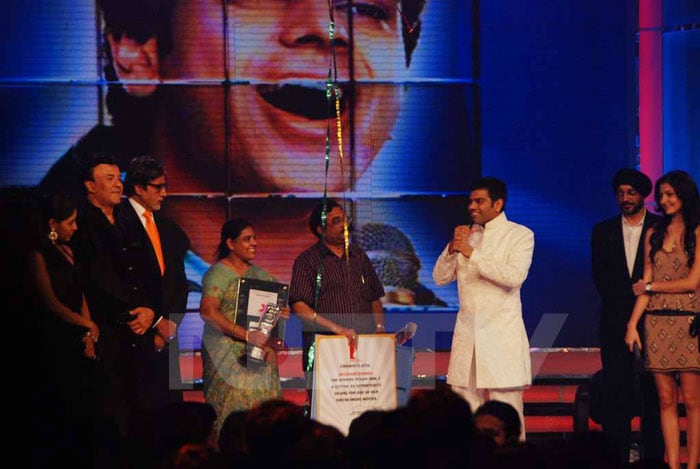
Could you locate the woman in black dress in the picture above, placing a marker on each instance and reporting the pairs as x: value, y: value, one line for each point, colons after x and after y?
x: 68, y: 389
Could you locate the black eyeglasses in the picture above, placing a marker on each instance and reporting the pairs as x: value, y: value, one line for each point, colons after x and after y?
x: 158, y: 187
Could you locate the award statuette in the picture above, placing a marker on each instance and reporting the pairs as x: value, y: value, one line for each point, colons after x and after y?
x: 268, y: 320
x: 255, y: 299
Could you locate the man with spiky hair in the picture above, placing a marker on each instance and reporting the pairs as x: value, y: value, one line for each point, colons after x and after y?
x: 490, y: 260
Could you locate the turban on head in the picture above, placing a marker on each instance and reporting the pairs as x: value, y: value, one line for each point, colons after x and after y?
x: 638, y: 180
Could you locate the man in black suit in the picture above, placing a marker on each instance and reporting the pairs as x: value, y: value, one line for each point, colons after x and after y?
x: 153, y: 251
x: 125, y: 324
x: 128, y: 299
x: 617, y: 260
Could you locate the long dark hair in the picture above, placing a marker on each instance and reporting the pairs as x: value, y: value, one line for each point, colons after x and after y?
x: 231, y: 229
x: 687, y: 191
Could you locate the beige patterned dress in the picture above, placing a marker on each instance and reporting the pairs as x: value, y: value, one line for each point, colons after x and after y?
x: 668, y: 345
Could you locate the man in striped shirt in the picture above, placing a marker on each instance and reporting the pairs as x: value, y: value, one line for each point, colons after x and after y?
x: 334, y: 292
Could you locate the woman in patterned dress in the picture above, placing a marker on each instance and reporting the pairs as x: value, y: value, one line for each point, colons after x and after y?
x: 231, y: 384
x: 669, y: 293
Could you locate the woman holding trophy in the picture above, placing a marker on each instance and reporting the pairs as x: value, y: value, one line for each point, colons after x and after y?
x: 233, y: 378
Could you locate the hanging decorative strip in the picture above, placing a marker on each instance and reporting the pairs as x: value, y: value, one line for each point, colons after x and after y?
x: 332, y: 91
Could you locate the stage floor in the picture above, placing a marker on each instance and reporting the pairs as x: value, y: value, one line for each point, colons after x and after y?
x: 549, y: 402
x: 556, y: 375
x: 560, y: 363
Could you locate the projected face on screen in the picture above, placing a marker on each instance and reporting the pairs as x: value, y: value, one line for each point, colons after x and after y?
x: 136, y: 61
x: 271, y: 117
x: 231, y: 96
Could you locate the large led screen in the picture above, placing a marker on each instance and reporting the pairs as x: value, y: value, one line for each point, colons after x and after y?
x: 258, y: 108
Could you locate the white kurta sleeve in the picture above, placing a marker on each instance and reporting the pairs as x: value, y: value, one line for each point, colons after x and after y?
x: 445, y: 270
x: 510, y: 271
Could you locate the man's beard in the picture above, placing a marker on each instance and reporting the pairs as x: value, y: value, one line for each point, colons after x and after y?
x: 632, y: 210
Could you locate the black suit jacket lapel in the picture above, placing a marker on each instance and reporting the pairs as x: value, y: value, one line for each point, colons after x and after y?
x: 618, y: 243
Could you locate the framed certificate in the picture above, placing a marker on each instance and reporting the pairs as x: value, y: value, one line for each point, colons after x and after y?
x: 253, y: 296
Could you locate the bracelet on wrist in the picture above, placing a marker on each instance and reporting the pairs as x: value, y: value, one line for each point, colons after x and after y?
x: 160, y: 318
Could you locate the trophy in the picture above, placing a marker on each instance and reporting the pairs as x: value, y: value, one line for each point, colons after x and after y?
x: 268, y: 320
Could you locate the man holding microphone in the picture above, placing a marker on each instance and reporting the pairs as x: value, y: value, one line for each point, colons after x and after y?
x: 490, y: 261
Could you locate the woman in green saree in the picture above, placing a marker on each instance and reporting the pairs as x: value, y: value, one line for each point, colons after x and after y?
x: 230, y: 382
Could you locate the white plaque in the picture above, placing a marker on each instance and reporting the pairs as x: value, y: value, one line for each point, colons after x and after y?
x: 345, y: 387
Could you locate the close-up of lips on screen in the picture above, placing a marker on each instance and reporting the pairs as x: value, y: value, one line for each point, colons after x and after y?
x: 304, y: 100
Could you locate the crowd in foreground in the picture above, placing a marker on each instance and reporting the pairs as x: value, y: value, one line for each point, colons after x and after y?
x: 436, y: 429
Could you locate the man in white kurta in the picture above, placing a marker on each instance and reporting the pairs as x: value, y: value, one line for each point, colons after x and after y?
x: 490, y: 356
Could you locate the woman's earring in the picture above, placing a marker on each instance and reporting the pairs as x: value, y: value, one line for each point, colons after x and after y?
x: 53, y: 236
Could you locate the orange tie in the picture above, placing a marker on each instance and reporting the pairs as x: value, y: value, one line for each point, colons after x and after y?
x: 152, y: 231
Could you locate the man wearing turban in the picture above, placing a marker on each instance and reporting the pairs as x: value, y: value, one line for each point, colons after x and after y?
x: 617, y: 261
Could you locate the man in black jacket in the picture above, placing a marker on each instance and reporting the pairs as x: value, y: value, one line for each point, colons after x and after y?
x: 617, y: 260
x: 154, y: 269
x: 128, y: 302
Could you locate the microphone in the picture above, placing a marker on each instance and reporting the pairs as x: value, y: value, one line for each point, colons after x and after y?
x: 469, y: 221
x: 406, y: 333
